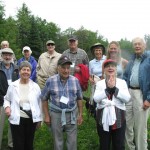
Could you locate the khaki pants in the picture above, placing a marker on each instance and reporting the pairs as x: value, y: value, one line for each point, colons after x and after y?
x: 136, y: 122
x: 2, y: 123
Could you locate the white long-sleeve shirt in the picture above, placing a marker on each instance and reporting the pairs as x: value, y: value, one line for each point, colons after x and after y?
x: 122, y: 97
x: 12, y: 100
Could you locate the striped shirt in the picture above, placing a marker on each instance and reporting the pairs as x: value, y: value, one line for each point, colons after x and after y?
x: 54, y: 89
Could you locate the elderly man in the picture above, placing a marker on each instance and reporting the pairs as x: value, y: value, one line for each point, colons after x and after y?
x: 76, y: 55
x: 5, y: 44
x: 138, y: 80
x: 65, y: 96
x: 27, y: 56
x: 47, y: 64
x: 11, y: 72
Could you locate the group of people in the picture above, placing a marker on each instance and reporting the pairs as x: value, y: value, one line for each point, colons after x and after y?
x: 51, y: 91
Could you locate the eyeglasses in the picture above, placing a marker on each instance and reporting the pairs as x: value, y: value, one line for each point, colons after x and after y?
x: 50, y: 44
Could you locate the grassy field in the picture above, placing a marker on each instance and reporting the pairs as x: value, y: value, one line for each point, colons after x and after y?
x: 87, y: 136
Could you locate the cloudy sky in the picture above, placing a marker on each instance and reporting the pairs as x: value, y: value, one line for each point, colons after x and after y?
x: 114, y: 19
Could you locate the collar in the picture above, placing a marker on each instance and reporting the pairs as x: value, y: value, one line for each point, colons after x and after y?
x: 103, y: 58
x: 75, y: 52
x: 51, y: 55
x: 61, y: 80
x: 3, y: 65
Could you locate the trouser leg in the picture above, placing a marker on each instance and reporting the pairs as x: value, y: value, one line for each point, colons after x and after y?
x: 29, y: 133
x: 57, y: 130
x: 139, y: 118
x: 118, y: 137
x: 129, y: 133
x: 71, y: 131
x: 23, y: 134
x: 2, y: 123
x: 105, y: 138
x: 10, y: 140
x: 18, y: 135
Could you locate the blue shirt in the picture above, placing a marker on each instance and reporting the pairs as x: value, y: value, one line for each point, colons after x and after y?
x: 8, y: 71
x: 54, y: 89
x: 33, y: 63
x: 95, y: 66
x: 134, y: 79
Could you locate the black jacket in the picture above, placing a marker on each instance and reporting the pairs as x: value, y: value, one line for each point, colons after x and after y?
x: 3, y: 86
x: 4, y: 83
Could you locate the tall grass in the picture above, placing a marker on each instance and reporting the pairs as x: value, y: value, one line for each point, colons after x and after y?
x: 87, y: 136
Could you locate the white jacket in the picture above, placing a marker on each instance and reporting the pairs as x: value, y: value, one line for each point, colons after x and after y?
x: 12, y: 99
x: 122, y: 97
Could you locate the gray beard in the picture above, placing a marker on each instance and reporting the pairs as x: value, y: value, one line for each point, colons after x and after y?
x: 6, y: 62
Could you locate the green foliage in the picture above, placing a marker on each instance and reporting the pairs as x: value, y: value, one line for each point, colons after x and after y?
x: 24, y: 25
x: 2, y: 20
x: 147, y: 39
x: 34, y: 39
x: 126, y: 48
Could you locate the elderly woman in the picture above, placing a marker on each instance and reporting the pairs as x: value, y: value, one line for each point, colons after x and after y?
x: 114, y: 52
x: 95, y: 65
x: 22, y: 105
x: 95, y: 70
x: 111, y: 94
x: 26, y: 51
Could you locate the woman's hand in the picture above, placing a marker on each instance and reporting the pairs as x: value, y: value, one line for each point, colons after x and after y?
x: 8, y: 111
x: 91, y: 79
x: 111, y: 82
x: 38, y: 125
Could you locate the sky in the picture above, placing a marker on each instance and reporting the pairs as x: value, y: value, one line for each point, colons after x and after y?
x: 113, y: 19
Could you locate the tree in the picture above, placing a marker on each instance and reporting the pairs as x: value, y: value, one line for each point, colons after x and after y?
x: 147, y: 40
x: 87, y: 38
x: 24, y: 25
x: 34, y: 39
x: 126, y: 48
x: 2, y: 21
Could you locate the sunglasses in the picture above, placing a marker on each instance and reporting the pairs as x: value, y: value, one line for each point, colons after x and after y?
x: 50, y: 44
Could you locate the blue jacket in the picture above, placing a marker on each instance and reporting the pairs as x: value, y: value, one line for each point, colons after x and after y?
x: 144, y: 75
x: 33, y: 63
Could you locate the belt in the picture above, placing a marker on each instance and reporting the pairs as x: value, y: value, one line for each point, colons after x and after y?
x: 134, y: 88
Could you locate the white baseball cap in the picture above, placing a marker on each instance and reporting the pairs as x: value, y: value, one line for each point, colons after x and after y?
x: 26, y: 48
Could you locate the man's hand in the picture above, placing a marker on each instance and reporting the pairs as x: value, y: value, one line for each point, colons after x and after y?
x: 8, y: 111
x: 79, y: 120
x: 146, y: 105
x: 47, y: 120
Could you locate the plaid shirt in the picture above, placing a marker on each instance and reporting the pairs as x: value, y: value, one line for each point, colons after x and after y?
x: 54, y: 90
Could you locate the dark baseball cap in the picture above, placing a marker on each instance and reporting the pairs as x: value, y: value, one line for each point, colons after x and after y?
x: 64, y: 59
x: 72, y: 38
